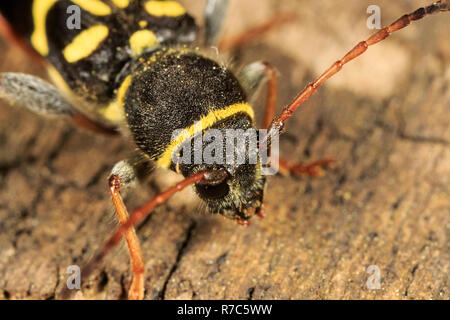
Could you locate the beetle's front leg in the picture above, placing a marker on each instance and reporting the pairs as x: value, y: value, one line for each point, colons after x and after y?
x: 314, y: 169
x: 125, y: 175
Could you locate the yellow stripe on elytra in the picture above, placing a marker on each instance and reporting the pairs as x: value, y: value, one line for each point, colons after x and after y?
x: 115, y: 112
x: 40, y: 9
x: 121, y: 3
x: 123, y: 90
x: 141, y: 40
x: 95, y: 7
x: 112, y: 112
x: 204, y: 123
x: 164, y: 8
x: 85, y: 43
x: 58, y: 80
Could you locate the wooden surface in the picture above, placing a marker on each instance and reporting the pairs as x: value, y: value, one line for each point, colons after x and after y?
x: 385, y: 118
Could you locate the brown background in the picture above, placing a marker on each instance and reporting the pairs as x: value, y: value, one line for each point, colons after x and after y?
x: 385, y: 118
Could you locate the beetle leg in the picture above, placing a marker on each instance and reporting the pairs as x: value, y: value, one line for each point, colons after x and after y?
x: 125, y: 175
x: 137, y: 215
x: 252, y: 78
x: 313, y: 169
x: 7, y: 32
x: 42, y: 98
x: 235, y: 42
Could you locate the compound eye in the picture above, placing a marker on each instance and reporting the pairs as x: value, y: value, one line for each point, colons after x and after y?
x: 214, y: 186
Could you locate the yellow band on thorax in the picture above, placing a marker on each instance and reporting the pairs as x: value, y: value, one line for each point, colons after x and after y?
x: 204, y: 123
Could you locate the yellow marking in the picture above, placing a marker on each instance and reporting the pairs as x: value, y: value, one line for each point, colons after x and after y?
x: 40, y: 11
x: 95, y: 7
x: 164, y: 8
x: 121, y: 3
x: 123, y: 90
x: 141, y: 40
x: 204, y: 123
x: 115, y: 112
x: 59, y: 81
x: 85, y: 43
x: 143, y: 24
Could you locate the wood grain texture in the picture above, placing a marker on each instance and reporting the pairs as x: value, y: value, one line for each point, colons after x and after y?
x: 385, y: 118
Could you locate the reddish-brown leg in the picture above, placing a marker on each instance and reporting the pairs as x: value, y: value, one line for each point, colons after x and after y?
x: 9, y: 34
x: 272, y: 91
x: 255, y: 32
x: 278, y: 123
x: 136, y: 291
x: 138, y: 215
x: 314, y: 169
x: 84, y: 122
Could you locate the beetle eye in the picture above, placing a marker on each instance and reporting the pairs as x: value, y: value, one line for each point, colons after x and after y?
x: 213, y: 191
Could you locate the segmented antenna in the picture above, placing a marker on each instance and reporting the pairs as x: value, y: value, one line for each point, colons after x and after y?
x: 278, y: 123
